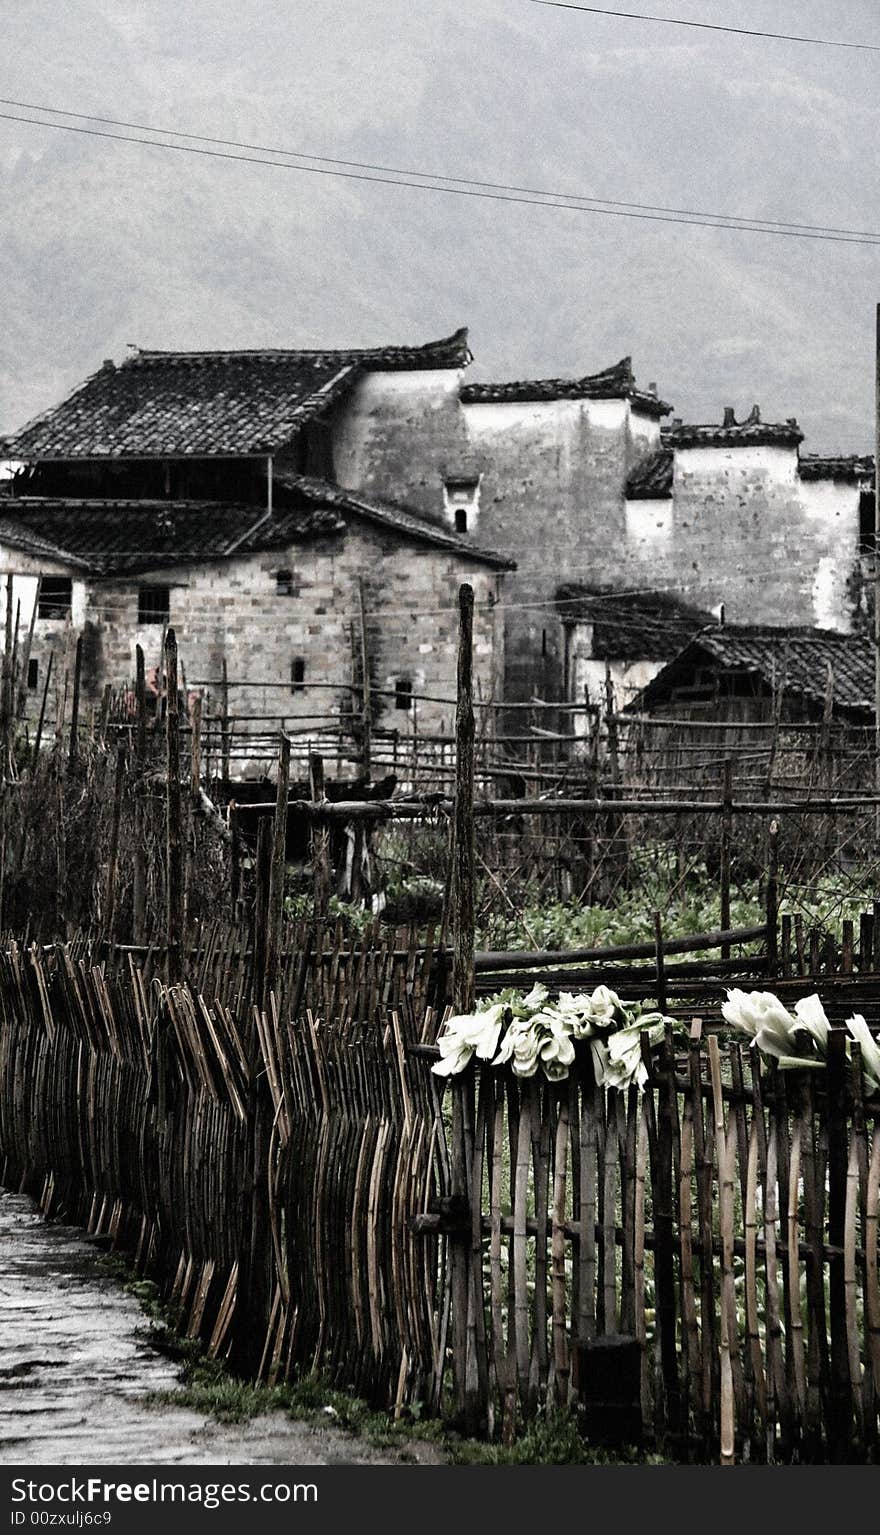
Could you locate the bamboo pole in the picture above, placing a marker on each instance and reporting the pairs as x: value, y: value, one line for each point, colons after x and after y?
x: 463, y: 927
x: 74, y: 713
x: 320, y: 840
x: 174, y: 894
x: 270, y: 980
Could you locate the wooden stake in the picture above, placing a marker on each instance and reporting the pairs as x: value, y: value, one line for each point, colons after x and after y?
x: 726, y: 840
x: 39, y: 735
x: 139, y: 873
x: 877, y: 573
x: 320, y: 840
x: 773, y: 900
x: 224, y: 723
x: 174, y: 818
x: 463, y: 819
x: 270, y: 980
x: 367, y: 711
x: 112, y: 866
x: 74, y: 713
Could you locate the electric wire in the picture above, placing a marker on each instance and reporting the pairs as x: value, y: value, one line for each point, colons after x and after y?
x: 719, y: 221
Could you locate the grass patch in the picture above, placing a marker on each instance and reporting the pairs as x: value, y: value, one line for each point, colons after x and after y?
x: 209, y: 1387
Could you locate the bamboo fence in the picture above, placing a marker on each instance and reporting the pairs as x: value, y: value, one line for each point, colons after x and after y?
x: 309, y: 1203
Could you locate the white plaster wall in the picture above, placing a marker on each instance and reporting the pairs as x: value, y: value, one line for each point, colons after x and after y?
x: 24, y: 592
x: 490, y: 418
x: 646, y: 428
x: 779, y: 463
x: 649, y: 522
x: 378, y: 398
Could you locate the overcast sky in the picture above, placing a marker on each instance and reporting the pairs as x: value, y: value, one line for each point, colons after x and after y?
x: 105, y: 243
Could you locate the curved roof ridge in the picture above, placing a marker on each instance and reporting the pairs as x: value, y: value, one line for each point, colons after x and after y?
x: 614, y: 382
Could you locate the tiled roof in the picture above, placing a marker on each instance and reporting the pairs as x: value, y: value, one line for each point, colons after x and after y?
x: 651, y: 480
x: 731, y: 433
x: 795, y: 659
x: 634, y: 627
x: 123, y: 537
x: 176, y: 404
x: 614, y: 383
x: 852, y: 466
x: 386, y: 514
x: 119, y: 537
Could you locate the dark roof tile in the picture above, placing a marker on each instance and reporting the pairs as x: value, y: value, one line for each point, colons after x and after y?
x: 797, y: 659
x: 388, y: 515
x: 631, y: 627
x: 852, y: 466
x: 201, y: 404
x: 614, y: 383
x: 651, y: 480
x: 124, y: 537
x: 730, y: 433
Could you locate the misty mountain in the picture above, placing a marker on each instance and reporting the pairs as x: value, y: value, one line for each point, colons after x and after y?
x: 105, y: 243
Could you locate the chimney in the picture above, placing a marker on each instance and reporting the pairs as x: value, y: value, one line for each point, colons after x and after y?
x: 677, y: 423
x: 652, y: 389
x: 729, y: 416
x: 755, y: 416
x: 108, y: 365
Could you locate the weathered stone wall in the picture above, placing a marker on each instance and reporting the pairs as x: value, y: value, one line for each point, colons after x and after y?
x: 551, y: 476
x: 743, y: 529
x: 231, y: 609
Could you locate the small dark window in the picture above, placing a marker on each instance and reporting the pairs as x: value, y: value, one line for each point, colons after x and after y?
x: 543, y: 642
x: 866, y: 522
x: 403, y: 693
x: 297, y: 675
x: 461, y: 519
x: 284, y: 583
x: 33, y: 673
x: 154, y: 604
x: 56, y: 593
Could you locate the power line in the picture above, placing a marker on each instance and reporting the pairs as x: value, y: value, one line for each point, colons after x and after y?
x: 465, y: 181
x: 711, y: 221
x: 708, y: 26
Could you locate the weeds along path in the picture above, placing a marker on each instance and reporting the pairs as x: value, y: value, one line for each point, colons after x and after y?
x: 78, y: 1370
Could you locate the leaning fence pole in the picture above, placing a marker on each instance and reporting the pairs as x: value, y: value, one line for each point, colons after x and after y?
x: 173, y: 818
x: 463, y: 813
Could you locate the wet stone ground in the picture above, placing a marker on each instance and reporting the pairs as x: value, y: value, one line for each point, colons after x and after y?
x: 77, y: 1370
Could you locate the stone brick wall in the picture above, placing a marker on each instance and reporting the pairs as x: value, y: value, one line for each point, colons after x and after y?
x: 231, y: 609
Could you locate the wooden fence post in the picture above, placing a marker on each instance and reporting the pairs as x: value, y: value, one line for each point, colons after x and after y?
x: 139, y: 872
x: 74, y: 713
x: 224, y: 722
x: 110, y: 916
x: 463, y: 814
x: 174, y: 916
x: 726, y: 840
x: 320, y: 840
x: 42, y: 716
x: 772, y: 900
x: 269, y: 981
x: 367, y: 705
x: 840, y: 1405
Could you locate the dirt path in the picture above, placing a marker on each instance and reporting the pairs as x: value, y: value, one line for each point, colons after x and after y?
x: 76, y: 1367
